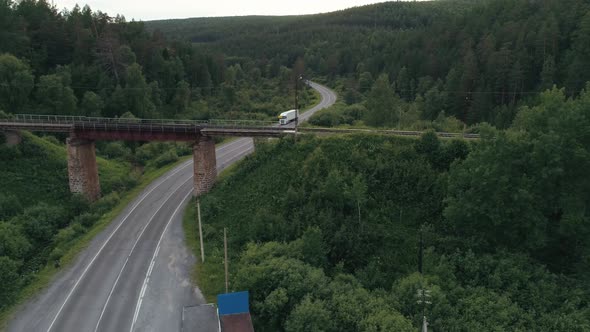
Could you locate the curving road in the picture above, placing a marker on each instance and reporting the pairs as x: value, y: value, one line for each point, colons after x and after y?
x: 328, y: 99
x: 135, y: 275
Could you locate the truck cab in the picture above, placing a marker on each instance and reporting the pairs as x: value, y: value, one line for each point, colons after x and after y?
x: 288, y: 116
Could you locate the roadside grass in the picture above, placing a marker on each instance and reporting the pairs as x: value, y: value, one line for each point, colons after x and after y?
x: 46, y: 275
x: 228, y: 172
x: 210, y: 275
x: 316, y: 98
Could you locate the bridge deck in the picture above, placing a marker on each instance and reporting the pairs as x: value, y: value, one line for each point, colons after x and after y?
x: 178, y: 130
x: 141, y: 129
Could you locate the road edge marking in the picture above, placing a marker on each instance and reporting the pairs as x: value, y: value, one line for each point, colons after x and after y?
x: 133, y: 248
x: 107, y: 241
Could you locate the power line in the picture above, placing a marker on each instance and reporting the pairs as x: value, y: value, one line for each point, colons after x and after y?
x: 509, y: 92
x: 209, y: 88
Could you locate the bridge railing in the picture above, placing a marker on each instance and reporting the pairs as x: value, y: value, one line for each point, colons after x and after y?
x: 89, y: 122
x: 192, y: 126
x: 385, y: 131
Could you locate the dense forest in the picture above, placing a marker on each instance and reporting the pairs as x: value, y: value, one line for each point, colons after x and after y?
x: 80, y: 62
x: 331, y: 241
x: 473, y: 60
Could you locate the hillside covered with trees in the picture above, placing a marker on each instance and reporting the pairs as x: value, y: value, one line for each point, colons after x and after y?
x: 325, y: 232
x: 475, y: 60
x: 84, y: 62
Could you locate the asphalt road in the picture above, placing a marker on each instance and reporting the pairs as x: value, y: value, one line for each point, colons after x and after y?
x: 135, y: 275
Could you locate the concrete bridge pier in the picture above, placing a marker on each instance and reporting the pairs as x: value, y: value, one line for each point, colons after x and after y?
x: 12, y: 137
x: 82, y: 168
x: 205, y: 165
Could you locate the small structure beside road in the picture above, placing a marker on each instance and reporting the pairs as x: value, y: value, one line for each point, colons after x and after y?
x: 234, y: 312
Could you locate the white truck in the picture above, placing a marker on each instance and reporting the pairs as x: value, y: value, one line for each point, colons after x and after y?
x: 288, y: 116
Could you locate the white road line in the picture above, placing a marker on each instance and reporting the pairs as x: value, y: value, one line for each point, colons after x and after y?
x: 231, y: 152
x: 149, y: 271
x: 229, y: 144
x: 104, y: 308
x: 219, y: 156
x: 105, y: 243
x: 239, y: 155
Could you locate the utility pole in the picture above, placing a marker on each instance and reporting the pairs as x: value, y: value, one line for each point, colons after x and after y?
x: 225, y: 250
x: 297, y: 101
x: 200, y: 231
x: 296, y: 91
x: 424, y: 324
x: 423, y: 294
x: 420, y: 253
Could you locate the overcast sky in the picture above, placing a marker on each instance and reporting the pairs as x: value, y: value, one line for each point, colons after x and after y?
x: 152, y: 10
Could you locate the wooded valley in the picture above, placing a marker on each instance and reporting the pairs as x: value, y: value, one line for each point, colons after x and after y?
x: 325, y: 232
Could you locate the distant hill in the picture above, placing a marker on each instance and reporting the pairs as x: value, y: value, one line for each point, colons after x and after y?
x: 479, y: 56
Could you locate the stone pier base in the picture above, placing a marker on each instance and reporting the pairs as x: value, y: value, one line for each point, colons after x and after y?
x: 82, y: 168
x: 205, y: 165
x: 13, y: 138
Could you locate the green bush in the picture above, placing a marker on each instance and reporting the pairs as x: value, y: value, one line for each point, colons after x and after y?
x: 183, y: 149
x: 4, y: 115
x: 166, y: 158
x: 328, y: 118
x: 9, y: 206
x: 56, y: 254
x: 106, y: 203
x: 52, y: 139
x: 339, y: 115
x: 10, y: 280
x: 151, y: 151
x: 124, y: 182
x: 65, y: 235
x: 10, y: 153
x: 116, y: 150
x: 87, y: 219
x: 40, y: 222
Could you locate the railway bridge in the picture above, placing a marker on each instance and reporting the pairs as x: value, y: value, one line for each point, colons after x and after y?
x: 84, y: 131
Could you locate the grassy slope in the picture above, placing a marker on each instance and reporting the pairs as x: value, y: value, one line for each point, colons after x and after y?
x: 315, y: 99
x: 38, y: 171
x: 208, y: 277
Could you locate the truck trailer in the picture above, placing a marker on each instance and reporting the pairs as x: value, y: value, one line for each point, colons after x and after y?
x: 288, y: 116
